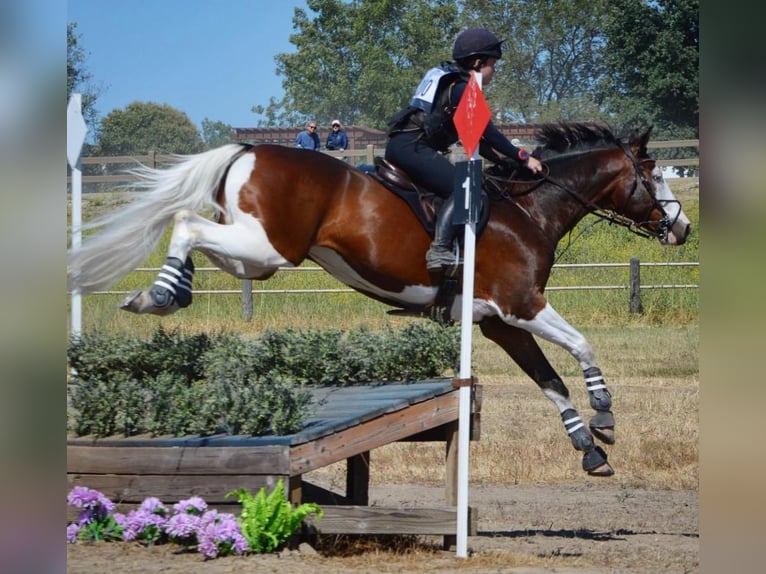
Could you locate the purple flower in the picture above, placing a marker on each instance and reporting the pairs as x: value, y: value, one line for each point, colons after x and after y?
x: 154, y: 505
x: 193, y: 505
x: 71, y: 533
x: 182, y: 527
x: 142, y: 524
x: 87, y: 498
x: 220, y: 535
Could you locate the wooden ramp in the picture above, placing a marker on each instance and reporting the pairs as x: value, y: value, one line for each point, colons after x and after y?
x: 349, y: 423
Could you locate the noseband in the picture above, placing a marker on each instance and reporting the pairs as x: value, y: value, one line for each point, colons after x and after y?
x: 664, y: 224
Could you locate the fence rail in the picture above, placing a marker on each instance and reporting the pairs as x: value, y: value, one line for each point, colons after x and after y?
x: 633, y: 286
x: 353, y: 156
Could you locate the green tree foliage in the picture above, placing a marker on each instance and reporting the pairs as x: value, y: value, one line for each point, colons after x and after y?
x: 629, y: 62
x: 79, y: 79
x: 359, y: 60
x: 551, y: 60
x: 652, y: 55
x: 215, y: 133
x: 144, y: 126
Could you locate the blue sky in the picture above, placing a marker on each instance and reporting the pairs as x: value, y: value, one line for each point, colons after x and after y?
x: 207, y: 58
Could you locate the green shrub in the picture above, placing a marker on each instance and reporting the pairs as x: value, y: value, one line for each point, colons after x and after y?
x: 199, y: 384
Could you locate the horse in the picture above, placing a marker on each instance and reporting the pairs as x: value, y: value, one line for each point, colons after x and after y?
x: 254, y: 209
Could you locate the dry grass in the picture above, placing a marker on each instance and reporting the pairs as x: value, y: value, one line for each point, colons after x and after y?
x: 654, y: 379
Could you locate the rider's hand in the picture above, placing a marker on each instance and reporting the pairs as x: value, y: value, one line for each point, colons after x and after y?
x: 533, y: 164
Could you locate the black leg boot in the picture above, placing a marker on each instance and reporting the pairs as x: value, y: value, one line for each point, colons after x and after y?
x: 441, y: 253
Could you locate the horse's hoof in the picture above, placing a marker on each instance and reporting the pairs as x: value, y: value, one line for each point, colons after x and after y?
x: 133, y: 302
x: 141, y: 302
x: 605, y: 435
x: 594, y: 462
x: 602, y: 426
x: 603, y: 470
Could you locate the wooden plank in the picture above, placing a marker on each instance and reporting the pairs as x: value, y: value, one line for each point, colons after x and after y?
x: 359, y: 519
x: 391, y: 520
x: 372, y: 434
x: 171, y: 488
x: 178, y: 460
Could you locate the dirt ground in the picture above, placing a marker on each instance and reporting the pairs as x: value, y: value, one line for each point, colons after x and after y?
x: 595, y: 527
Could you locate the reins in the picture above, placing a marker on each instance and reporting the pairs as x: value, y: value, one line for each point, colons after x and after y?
x: 602, y: 214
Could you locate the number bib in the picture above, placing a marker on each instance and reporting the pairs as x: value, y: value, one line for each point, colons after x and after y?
x: 429, y: 86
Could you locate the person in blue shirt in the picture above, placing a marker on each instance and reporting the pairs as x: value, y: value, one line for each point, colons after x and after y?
x: 421, y: 134
x: 308, y: 138
x: 337, y: 139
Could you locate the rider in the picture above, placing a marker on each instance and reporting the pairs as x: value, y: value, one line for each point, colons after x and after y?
x: 421, y: 133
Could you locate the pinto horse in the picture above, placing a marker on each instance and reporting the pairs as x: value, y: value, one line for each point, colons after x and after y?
x: 275, y: 206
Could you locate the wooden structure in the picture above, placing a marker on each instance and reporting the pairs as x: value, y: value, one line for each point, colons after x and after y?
x: 350, y: 422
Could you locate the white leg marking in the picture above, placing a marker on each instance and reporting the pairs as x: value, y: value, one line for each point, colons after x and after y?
x: 562, y: 403
x: 551, y: 326
x: 240, y: 247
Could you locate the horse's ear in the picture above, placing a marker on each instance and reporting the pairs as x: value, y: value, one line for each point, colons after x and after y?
x: 639, y: 142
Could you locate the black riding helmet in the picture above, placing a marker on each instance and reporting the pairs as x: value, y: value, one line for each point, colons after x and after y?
x: 475, y: 42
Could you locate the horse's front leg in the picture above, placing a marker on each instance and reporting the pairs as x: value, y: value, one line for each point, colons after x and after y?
x: 552, y: 327
x: 524, y: 350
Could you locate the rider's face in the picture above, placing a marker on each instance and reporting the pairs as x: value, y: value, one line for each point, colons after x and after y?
x: 488, y: 71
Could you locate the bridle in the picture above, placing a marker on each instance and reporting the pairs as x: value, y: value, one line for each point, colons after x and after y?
x: 663, y: 224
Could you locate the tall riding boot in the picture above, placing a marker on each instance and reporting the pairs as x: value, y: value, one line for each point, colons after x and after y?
x: 441, y: 254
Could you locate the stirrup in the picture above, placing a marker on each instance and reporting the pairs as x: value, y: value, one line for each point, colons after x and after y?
x: 438, y: 257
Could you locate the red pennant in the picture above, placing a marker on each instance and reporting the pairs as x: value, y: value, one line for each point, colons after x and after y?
x: 472, y: 116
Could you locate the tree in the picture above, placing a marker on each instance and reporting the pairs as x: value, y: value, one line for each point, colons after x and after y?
x: 79, y: 79
x: 215, y: 134
x: 551, y: 60
x: 652, y: 55
x: 144, y: 126
x: 360, y: 60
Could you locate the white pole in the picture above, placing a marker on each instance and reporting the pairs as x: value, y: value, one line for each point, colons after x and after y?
x: 76, y: 241
x: 464, y: 413
x: 76, y: 132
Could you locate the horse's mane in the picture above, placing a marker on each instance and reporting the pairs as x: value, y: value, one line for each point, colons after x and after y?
x: 563, y: 137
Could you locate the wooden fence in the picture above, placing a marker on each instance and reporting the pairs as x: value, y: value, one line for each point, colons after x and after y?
x: 352, y: 156
x: 633, y: 286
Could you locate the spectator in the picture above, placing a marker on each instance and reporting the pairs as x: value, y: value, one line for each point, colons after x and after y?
x: 337, y: 139
x: 308, y: 138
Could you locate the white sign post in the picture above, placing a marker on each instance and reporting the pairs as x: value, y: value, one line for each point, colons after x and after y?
x: 75, y: 137
x: 471, y: 117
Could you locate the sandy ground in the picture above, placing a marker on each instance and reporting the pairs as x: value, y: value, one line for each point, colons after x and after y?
x: 592, y: 528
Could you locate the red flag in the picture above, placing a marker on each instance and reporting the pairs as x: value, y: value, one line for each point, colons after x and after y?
x: 472, y: 116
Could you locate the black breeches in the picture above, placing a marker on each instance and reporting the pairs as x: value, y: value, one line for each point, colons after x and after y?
x: 425, y: 166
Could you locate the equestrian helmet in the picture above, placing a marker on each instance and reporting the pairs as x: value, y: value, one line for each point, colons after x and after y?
x: 476, y: 42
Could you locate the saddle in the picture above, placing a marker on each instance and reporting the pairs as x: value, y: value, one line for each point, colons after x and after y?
x: 423, y: 203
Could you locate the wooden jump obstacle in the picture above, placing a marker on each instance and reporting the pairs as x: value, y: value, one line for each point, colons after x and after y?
x: 349, y: 423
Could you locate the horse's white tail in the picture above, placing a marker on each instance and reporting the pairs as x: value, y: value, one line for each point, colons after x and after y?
x: 130, y: 234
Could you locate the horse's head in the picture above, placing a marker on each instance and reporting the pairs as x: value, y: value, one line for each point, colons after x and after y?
x: 642, y: 194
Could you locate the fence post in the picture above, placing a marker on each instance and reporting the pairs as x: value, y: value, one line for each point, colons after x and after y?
x: 247, y: 299
x: 635, y: 285
x: 370, y: 154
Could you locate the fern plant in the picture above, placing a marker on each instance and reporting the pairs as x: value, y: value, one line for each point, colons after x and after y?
x: 268, y: 521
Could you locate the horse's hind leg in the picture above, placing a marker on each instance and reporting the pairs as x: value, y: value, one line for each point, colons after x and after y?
x: 172, y: 290
x: 524, y: 350
x: 239, y: 248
